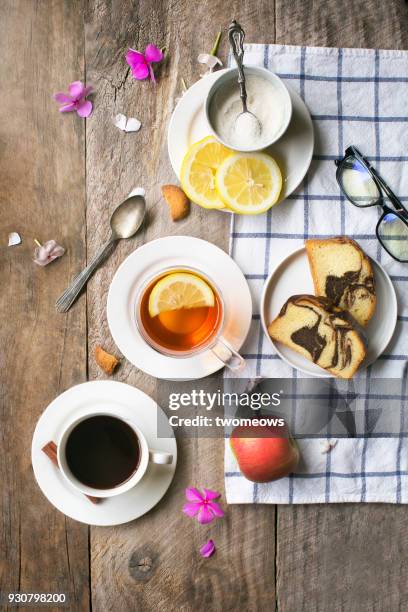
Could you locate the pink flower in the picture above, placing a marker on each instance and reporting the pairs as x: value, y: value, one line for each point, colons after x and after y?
x: 74, y: 100
x: 47, y: 252
x: 211, y: 61
x: 202, y: 506
x: 208, y: 549
x: 141, y: 64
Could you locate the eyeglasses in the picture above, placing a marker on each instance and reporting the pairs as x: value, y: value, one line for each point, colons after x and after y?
x: 364, y: 187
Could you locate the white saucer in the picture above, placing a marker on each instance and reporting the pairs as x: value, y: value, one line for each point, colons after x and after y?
x: 153, y: 257
x: 293, y: 151
x: 120, y: 400
x: 292, y: 276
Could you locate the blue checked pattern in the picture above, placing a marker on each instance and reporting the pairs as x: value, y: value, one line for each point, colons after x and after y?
x: 355, y: 96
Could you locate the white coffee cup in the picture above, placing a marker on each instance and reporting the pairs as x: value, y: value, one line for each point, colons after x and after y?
x: 146, y: 455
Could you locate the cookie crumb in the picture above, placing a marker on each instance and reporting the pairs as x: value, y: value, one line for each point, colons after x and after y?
x: 177, y: 201
x: 105, y: 360
x: 327, y: 446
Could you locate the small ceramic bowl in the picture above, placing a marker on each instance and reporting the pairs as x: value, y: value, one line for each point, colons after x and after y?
x: 224, y: 80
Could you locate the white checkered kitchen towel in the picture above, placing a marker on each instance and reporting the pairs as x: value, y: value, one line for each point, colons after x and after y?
x: 360, y: 97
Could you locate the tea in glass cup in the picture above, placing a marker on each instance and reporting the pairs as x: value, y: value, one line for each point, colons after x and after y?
x: 180, y: 312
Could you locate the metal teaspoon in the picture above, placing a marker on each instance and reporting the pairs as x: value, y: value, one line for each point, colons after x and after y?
x: 125, y: 222
x: 246, y: 120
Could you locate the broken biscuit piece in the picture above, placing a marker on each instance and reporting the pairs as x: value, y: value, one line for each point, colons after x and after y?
x: 105, y: 360
x: 177, y: 200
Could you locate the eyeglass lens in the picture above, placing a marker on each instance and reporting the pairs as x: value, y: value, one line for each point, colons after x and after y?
x: 357, y: 182
x: 393, y: 233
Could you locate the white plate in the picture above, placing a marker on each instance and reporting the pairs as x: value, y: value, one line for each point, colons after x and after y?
x: 153, y: 257
x: 292, y: 276
x: 293, y: 151
x: 119, y: 400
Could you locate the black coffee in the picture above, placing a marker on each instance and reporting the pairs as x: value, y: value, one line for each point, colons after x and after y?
x: 102, y: 452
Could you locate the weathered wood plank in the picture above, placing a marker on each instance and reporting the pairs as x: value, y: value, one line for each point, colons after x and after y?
x: 371, y: 24
x: 42, y: 196
x: 241, y: 575
x: 345, y: 557
x: 42, y: 178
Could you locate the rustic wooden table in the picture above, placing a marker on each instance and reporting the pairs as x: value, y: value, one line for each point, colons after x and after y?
x: 61, y: 177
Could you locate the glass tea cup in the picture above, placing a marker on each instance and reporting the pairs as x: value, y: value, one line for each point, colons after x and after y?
x: 186, y: 332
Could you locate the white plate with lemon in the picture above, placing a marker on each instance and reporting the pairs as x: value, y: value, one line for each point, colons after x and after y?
x: 216, y: 177
x: 173, y: 252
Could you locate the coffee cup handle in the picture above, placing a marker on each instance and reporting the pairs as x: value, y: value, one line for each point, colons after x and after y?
x: 225, y: 353
x: 160, y: 458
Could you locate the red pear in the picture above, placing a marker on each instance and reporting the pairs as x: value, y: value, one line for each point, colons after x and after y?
x: 264, y: 453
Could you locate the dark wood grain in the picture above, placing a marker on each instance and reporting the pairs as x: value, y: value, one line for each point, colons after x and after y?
x: 342, y: 557
x: 371, y: 24
x: 164, y: 543
x: 42, y: 196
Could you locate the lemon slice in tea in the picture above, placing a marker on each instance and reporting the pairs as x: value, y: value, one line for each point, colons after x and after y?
x: 249, y: 183
x: 180, y: 290
x: 198, y: 172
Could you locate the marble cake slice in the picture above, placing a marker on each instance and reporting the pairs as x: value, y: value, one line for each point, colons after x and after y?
x: 321, y: 332
x: 342, y: 272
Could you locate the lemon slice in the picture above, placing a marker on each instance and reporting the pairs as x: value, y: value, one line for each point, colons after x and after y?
x: 198, y: 172
x: 249, y: 183
x: 180, y: 290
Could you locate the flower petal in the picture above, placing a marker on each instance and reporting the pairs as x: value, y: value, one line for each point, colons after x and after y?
x: 49, y: 245
x: 41, y: 256
x: 14, y: 238
x: 203, y: 58
x: 192, y: 494
x: 216, y: 509
x: 191, y: 508
x: 151, y: 73
x: 209, y: 60
x: 39, y: 259
x: 327, y: 446
x: 153, y: 54
x: 133, y: 125
x: 46, y: 253
x: 76, y: 90
x: 67, y: 108
x: 120, y: 121
x: 205, y: 515
x: 140, y: 71
x: 62, y: 98
x: 84, y: 108
x: 134, y: 58
x: 208, y: 549
x: 87, y: 91
x: 209, y: 494
x: 55, y: 250
x: 137, y: 191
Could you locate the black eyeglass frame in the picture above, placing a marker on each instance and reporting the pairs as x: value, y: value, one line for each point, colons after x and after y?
x: 399, y: 209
